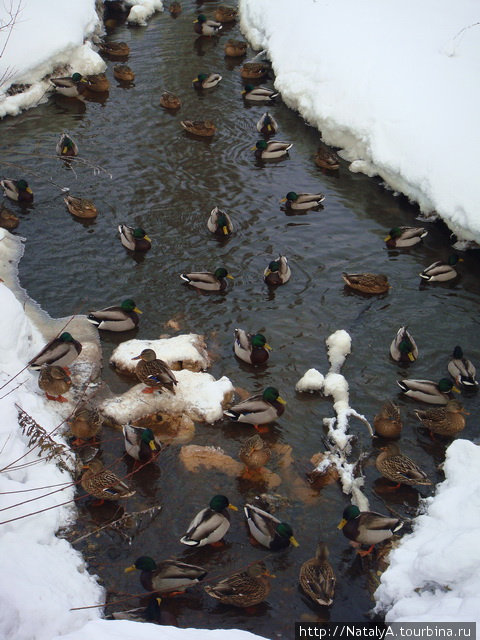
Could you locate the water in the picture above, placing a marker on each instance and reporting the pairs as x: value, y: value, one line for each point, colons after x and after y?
x: 167, y: 182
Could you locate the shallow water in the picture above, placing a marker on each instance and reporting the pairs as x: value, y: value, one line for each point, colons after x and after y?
x: 167, y: 182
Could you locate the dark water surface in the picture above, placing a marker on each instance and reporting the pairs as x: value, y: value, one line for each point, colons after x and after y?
x: 167, y: 182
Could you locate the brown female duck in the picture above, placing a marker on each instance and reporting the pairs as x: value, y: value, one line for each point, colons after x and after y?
x: 55, y: 381
x: 445, y: 421
x: 398, y: 468
x: 103, y: 483
x: 317, y: 577
x: 154, y: 373
x: 244, y: 588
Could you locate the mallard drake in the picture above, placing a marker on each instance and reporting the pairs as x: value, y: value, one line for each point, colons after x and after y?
x: 255, y: 453
x: 120, y: 318
x: 302, y: 201
x: 225, y: 14
x: 244, y: 588
x: 210, y: 525
x: 175, y: 8
x: 399, y: 468
x: 103, y: 484
x: 388, y: 423
x: 98, y: 83
x: 428, y: 391
x: 235, y: 48
x: 462, y: 371
x: 204, y: 128
x: 155, y: 373
x: 259, y: 94
x: 278, y: 272
x: 167, y: 576
x: 446, y: 421
x: 8, y: 220
x: 207, y: 281
x: 317, y: 577
x: 169, y: 100
x: 267, y: 125
x: 220, y: 223
x: 254, y: 70
x: 403, y: 347
x: 141, y: 444
x: 114, y: 49
x: 271, y: 150
x: 17, y: 190
x: 367, y: 282
x: 71, y: 87
x: 66, y: 146
x: 258, y: 409
x: 205, y: 27
x: 54, y: 381
x: 441, y: 271
x: 251, y: 348
x: 151, y: 613
x: 123, y: 73
x: 81, y: 207
x: 134, y: 239
x: 85, y: 425
x: 325, y: 158
x: 206, y: 80
x: 61, y: 351
x: 268, y: 530
x: 367, y: 527
x: 400, y: 237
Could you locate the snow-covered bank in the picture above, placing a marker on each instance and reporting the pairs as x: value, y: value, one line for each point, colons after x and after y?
x: 393, y: 85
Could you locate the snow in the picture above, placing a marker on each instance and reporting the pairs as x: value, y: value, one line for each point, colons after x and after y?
x: 142, y: 10
x: 394, y: 86
x: 311, y: 381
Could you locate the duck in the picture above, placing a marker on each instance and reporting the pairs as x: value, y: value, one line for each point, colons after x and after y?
x: 60, y: 351
x: 175, y: 8
x: 141, y: 444
x: 251, y: 348
x: 220, y: 223
x: 81, y: 207
x: 302, y: 201
x: 98, y: 83
x: 243, y: 588
x: 428, y: 391
x: 402, y: 237
x: 8, y: 220
x: 85, y: 425
x: 71, y: 87
x: 17, y: 190
x: 204, y: 128
x: 114, y: 49
x: 462, y: 370
x: 55, y: 381
x: 155, y: 373
x: 169, y: 100
x: 441, y: 271
x: 445, y: 421
x: 119, y: 318
x: 278, y: 272
x: 210, y: 524
x: 403, y: 347
x: 259, y: 94
x: 225, y: 14
x: 207, y: 281
x: 255, y: 453
x: 399, y: 468
x: 259, y: 409
x: 388, y: 423
x: 267, y: 125
x: 205, y: 27
x: 103, y: 484
x: 367, y: 282
x: 254, y: 70
x: 271, y: 150
x: 134, y: 238
x: 123, y: 73
x: 317, y: 577
x: 167, y: 576
x: 235, y: 48
x: 268, y: 530
x: 325, y: 158
x: 367, y: 527
x: 151, y: 613
x: 66, y: 146
x: 206, y: 80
